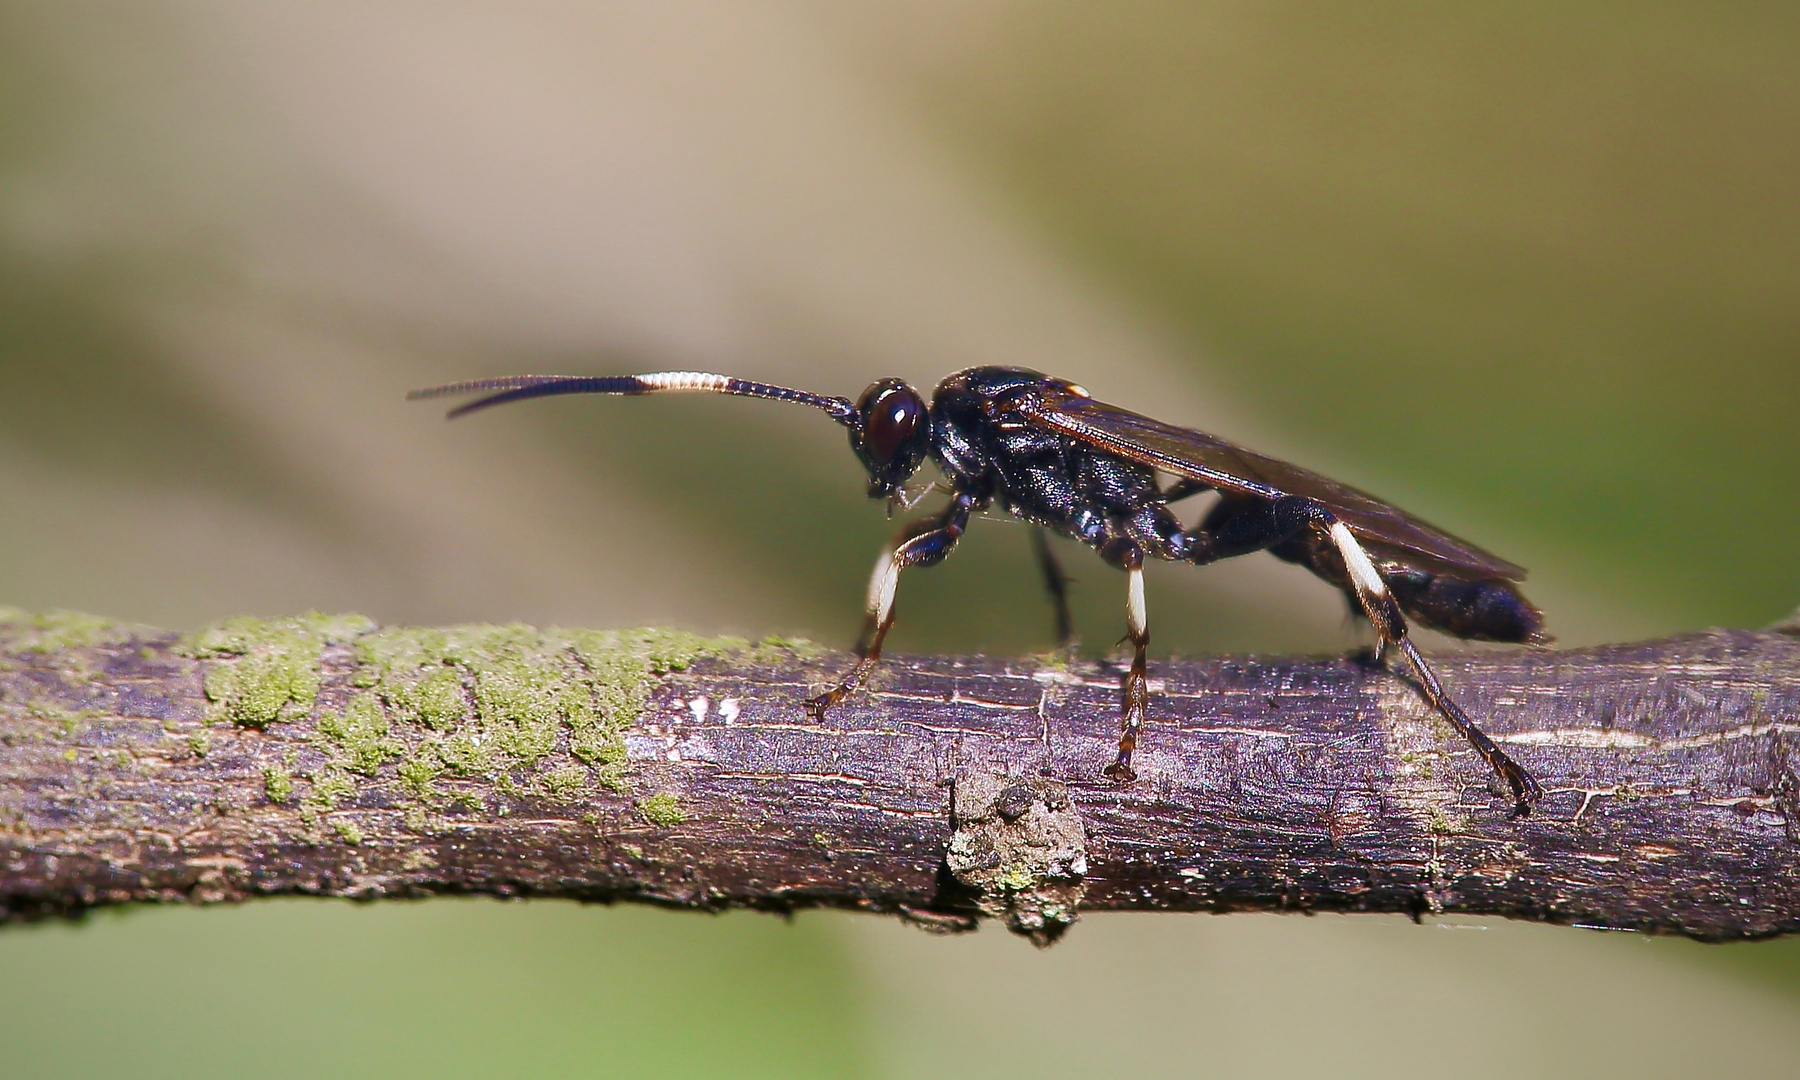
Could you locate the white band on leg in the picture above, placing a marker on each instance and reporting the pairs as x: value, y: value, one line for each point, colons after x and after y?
x: 882, y: 584
x: 1362, y: 572
x: 1135, y: 618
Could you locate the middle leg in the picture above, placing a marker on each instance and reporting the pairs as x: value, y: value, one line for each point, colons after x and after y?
x: 1134, y: 693
x: 1057, y: 584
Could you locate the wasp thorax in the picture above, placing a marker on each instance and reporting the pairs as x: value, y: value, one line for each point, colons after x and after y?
x: 892, y: 435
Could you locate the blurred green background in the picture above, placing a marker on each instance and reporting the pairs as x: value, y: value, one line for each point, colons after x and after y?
x: 1529, y: 270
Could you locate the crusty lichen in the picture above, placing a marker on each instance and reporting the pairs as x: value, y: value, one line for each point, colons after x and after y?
x: 776, y: 648
x: 330, y: 786
x: 499, y: 701
x: 52, y: 631
x: 65, y: 720
x: 278, y: 783
x: 265, y: 670
x: 564, y: 784
x: 360, y: 733
x: 663, y: 808
x: 538, y: 714
x: 419, y: 772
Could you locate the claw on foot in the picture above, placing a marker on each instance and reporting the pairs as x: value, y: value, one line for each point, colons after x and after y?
x: 1525, y: 789
x: 816, y: 707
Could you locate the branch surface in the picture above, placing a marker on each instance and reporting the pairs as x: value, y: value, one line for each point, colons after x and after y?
x: 326, y: 756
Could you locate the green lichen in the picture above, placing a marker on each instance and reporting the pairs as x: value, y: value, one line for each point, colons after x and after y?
x: 1445, y: 823
x: 66, y: 720
x: 247, y: 634
x: 329, y: 787
x: 621, y: 663
x: 199, y: 743
x: 462, y: 754
x: 419, y: 773
x: 361, y: 734
x: 523, y: 687
x: 53, y: 631
x: 265, y: 670
x: 278, y: 783
x: 663, y: 808
x: 1016, y: 878
x: 608, y: 758
x: 562, y: 785
x: 347, y: 831
x: 777, y: 649
x: 435, y: 699
x: 536, y: 714
x: 505, y: 698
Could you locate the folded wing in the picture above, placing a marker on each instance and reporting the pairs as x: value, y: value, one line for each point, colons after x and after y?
x: 1235, y: 471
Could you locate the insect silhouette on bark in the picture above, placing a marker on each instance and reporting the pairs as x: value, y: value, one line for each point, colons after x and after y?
x: 1043, y: 450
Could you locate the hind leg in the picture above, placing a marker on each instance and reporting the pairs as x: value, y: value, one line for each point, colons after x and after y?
x: 1235, y: 529
x: 1390, y: 627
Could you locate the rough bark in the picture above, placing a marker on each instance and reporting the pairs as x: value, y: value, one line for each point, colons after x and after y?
x: 957, y: 786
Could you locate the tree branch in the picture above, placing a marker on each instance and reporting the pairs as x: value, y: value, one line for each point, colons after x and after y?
x: 320, y: 755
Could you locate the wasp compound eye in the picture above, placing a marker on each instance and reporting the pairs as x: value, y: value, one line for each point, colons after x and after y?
x: 889, y: 420
x: 892, y: 434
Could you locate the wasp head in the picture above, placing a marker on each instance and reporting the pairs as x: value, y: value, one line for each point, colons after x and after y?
x: 891, y: 435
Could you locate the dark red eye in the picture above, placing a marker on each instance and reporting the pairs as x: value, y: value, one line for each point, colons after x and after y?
x: 892, y: 418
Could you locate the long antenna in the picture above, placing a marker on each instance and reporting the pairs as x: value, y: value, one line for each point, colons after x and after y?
x: 520, y: 387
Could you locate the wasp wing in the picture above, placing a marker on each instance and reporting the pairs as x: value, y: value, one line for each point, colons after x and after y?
x: 1233, y: 470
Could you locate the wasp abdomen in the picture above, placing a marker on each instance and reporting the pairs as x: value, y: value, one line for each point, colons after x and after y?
x: 1486, y: 610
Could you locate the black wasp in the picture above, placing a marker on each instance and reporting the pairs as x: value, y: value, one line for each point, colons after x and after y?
x: 1045, y: 451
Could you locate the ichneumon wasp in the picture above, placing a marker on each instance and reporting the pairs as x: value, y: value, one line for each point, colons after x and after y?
x: 1044, y: 450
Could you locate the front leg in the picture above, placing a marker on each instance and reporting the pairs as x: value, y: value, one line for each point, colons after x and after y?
x: 922, y: 543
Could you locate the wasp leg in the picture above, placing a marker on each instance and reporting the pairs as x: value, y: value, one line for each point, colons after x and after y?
x: 1237, y: 527
x: 1134, y: 693
x: 1390, y: 627
x: 923, y: 543
x: 1057, y: 583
